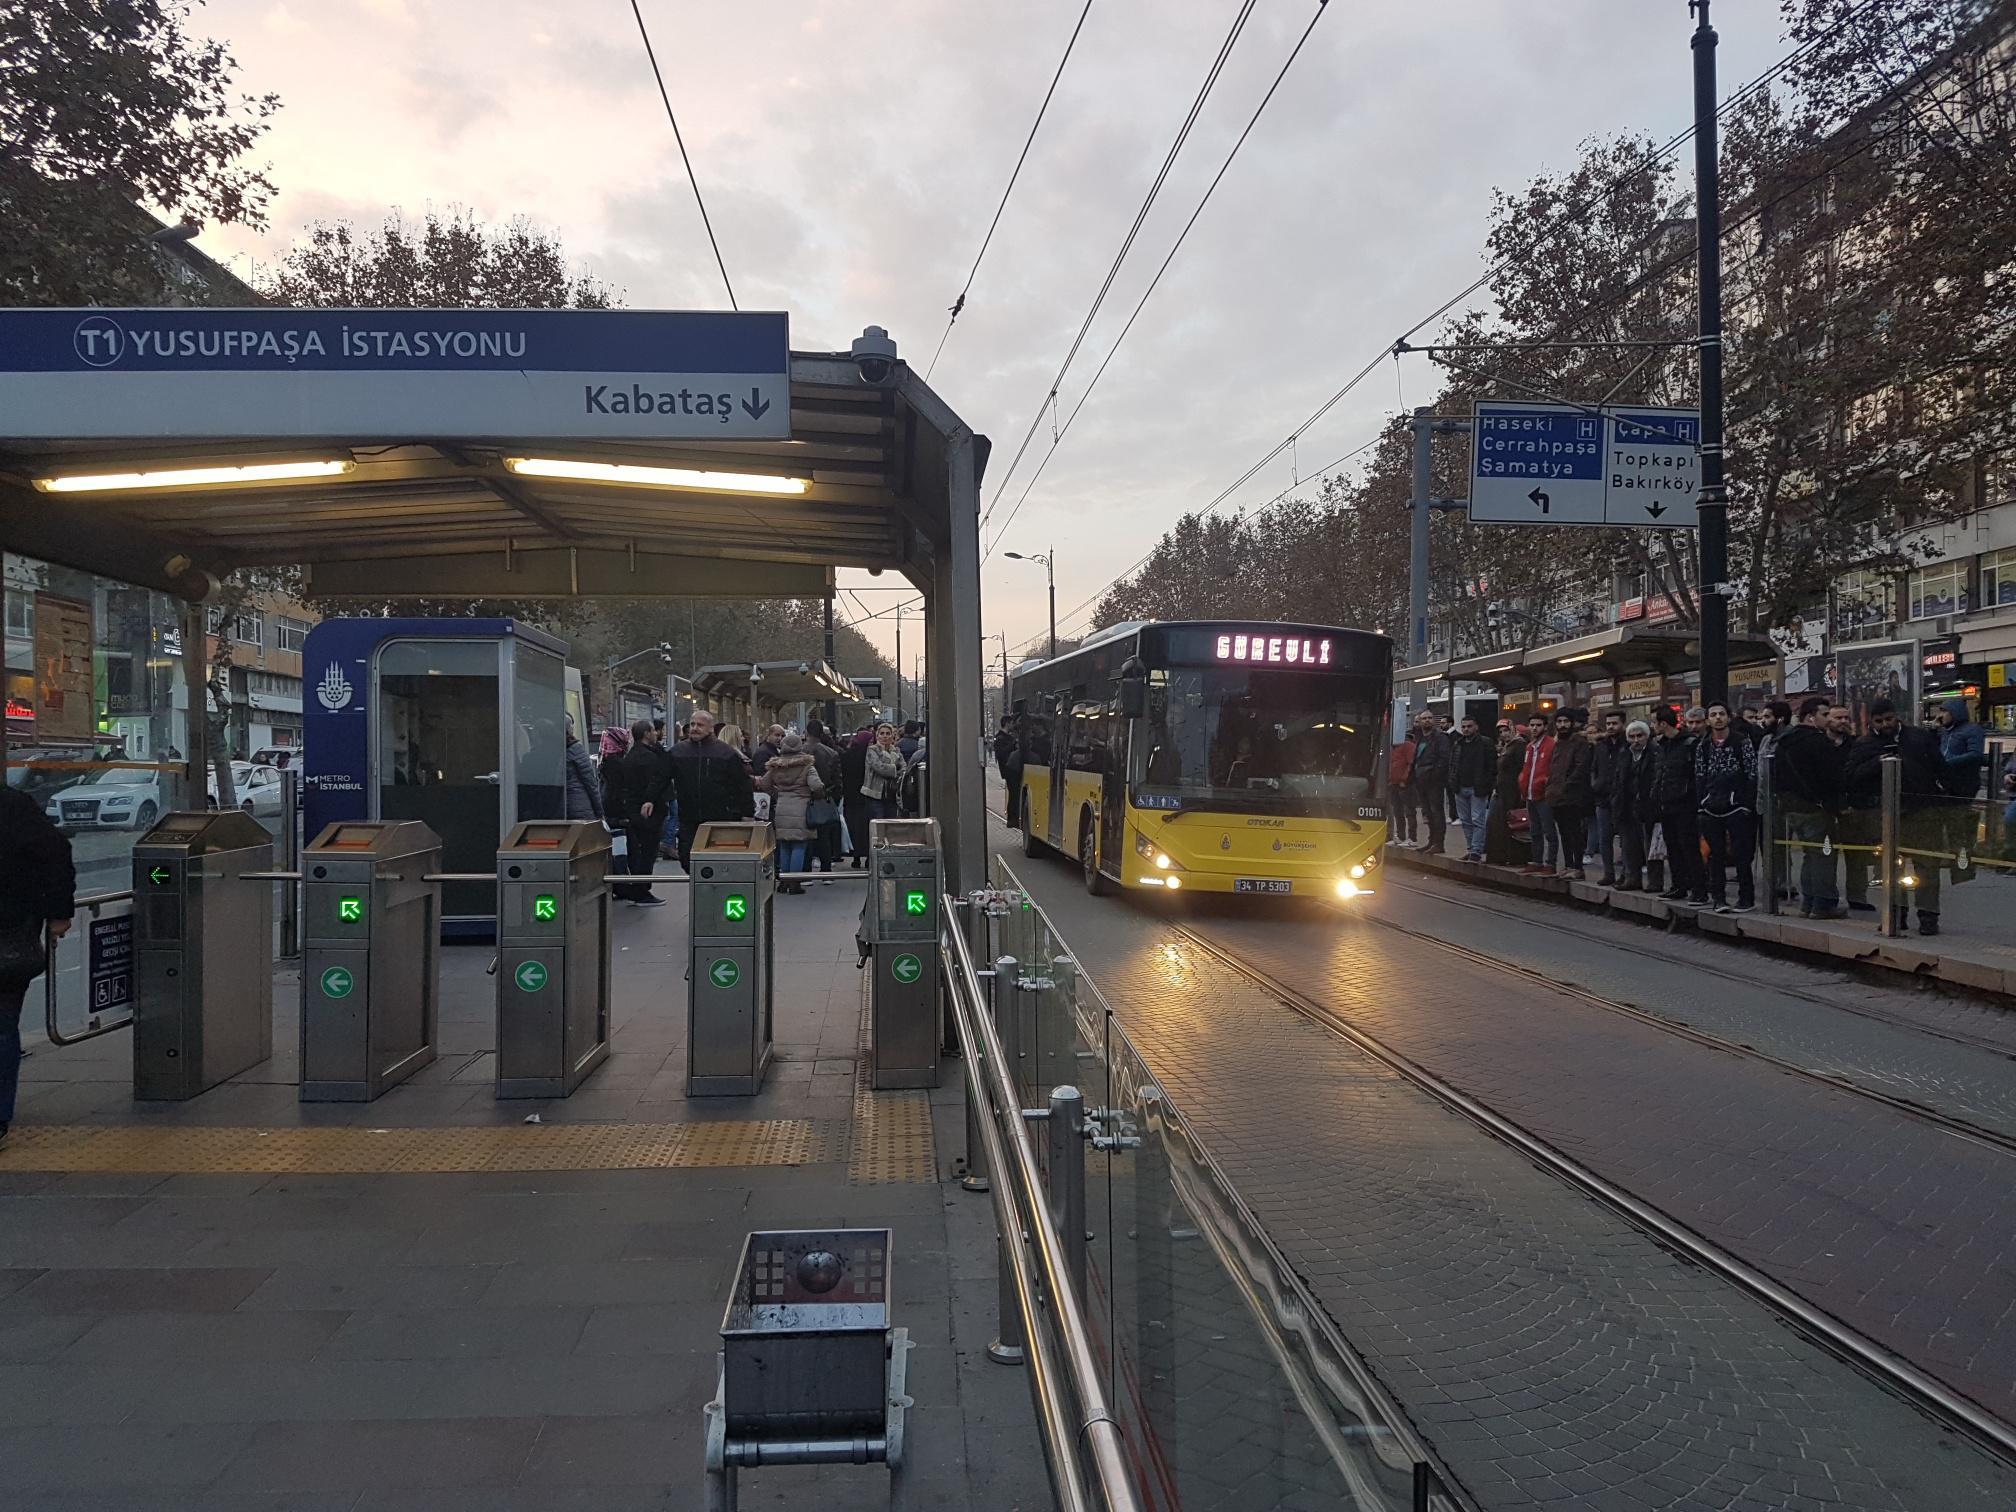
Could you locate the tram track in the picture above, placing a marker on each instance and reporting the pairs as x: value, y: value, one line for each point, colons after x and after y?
x: 1531, y: 976
x: 1895, y: 1372
x: 1700, y: 968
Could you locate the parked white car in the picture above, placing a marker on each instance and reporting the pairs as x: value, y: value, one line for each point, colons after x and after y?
x: 118, y: 798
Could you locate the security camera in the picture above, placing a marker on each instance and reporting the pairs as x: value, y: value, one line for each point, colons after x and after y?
x: 874, y: 356
x: 804, y: 668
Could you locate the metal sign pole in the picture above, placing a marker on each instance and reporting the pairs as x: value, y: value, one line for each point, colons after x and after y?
x: 1423, y: 426
x: 1714, y: 498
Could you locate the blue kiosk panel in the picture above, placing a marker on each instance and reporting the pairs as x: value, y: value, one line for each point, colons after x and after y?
x: 457, y: 722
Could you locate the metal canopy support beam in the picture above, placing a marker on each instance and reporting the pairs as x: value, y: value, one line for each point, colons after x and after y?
x: 546, y: 572
x: 957, y: 797
x: 73, y: 534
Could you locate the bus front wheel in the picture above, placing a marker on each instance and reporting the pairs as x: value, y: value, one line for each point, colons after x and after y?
x: 1088, y: 856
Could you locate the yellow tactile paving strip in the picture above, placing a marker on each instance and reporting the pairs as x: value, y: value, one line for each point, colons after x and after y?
x: 892, y: 1130
x: 549, y: 1147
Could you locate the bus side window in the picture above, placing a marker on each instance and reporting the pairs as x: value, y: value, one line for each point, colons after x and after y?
x: 1087, y: 751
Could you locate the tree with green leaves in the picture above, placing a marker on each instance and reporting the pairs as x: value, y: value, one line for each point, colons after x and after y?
x: 446, y: 262
x: 109, y: 108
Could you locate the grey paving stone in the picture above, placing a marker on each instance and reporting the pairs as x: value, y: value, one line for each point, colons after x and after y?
x: 666, y: 1449
x: 104, y: 1458
x: 315, y: 1456
x: 135, y: 1290
x: 598, y: 1283
x: 458, y: 1333
x: 653, y: 1328
x: 314, y: 1287
x: 162, y: 1338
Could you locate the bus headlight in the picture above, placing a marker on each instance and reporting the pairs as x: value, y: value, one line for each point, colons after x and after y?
x: 1346, y: 888
x: 1173, y: 883
x: 1161, y: 860
x: 1358, y: 870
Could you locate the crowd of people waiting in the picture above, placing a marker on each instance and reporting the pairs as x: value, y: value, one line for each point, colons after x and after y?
x: 819, y: 791
x: 1678, y: 798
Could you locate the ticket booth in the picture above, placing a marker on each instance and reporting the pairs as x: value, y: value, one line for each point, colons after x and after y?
x: 457, y: 723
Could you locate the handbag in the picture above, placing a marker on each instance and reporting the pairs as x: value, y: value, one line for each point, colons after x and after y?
x: 1656, y: 851
x: 821, y: 812
x: 619, y: 845
x: 23, y: 957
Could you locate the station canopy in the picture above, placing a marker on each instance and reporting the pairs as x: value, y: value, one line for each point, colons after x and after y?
x: 498, y: 454
x: 1628, y: 650
x: 775, y: 684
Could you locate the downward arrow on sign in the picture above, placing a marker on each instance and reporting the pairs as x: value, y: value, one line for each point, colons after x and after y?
x: 756, y: 406
x: 1655, y: 509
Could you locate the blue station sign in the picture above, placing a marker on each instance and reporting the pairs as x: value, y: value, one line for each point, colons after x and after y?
x: 415, y: 374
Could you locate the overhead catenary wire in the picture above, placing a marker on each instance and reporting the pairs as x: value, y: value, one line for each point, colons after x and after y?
x: 1057, y: 439
x: 1127, y: 243
x: 679, y: 137
x: 986, y: 241
x: 1570, y: 216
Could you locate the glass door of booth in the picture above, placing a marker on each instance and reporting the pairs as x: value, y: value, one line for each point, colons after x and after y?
x: 438, y: 755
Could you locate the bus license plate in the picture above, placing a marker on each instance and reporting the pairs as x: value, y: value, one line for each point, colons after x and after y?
x: 1262, y: 885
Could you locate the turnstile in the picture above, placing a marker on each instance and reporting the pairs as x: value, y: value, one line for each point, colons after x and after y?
x: 203, y: 1009
x: 728, y: 1013
x: 370, y: 958
x: 900, y: 934
x: 552, y: 956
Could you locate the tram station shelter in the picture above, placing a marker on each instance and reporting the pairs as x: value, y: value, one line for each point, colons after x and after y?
x: 1629, y: 666
x: 403, y: 455
x: 754, y: 694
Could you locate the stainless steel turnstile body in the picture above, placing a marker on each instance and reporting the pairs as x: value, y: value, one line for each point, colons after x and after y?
x: 901, y: 927
x: 552, y: 956
x: 203, y: 937
x: 370, y: 957
x: 728, y: 1014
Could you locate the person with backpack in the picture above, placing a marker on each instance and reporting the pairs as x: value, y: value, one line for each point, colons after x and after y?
x: 1920, y: 817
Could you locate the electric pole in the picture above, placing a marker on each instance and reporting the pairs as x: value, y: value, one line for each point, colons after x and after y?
x: 832, y: 707
x: 1714, y: 499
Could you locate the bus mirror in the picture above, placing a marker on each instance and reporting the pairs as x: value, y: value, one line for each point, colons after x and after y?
x: 1133, y: 699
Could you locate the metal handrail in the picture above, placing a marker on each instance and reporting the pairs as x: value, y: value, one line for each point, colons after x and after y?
x: 1010, y: 1148
x: 50, y: 944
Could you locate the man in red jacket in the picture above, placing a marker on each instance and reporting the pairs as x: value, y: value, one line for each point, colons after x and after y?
x: 1400, y: 791
x: 1533, y: 789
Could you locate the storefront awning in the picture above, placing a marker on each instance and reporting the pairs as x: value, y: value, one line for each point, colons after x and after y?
x: 1620, y: 652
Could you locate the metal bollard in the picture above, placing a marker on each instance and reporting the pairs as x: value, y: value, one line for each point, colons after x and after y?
x: 289, y: 856
x: 1888, y: 845
x: 1010, y: 1346
x: 1067, y: 1176
x: 1768, y: 820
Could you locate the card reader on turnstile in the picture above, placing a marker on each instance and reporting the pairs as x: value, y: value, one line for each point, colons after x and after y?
x: 370, y: 957
x: 552, y: 956
x: 899, y: 941
x: 728, y: 1017
x: 203, y: 940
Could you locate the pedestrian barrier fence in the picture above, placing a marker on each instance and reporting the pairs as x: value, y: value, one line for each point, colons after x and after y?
x: 1900, y: 859
x: 1175, y: 1358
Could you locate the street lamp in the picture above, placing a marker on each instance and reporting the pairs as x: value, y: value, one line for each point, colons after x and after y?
x: 1049, y: 561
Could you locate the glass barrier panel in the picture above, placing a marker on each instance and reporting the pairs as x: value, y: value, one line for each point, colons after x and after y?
x: 91, y: 971
x: 1221, y: 1414
x: 1956, y: 864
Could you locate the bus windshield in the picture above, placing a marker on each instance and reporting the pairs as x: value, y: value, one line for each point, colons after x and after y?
x: 1275, y: 740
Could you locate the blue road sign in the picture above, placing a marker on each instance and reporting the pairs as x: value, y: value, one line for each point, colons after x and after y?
x: 1558, y: 464
x: 397, y: 373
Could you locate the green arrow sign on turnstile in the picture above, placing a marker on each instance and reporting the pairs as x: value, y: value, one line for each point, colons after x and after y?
x: 546, y: 907
x: 906, y: 969
x: 160, y: 876
x: 915, y: 903
x: 724, y: 973
x: 350, y: 910
x: 735, y: 906
x: 337, y: 982
x: 530, y: 976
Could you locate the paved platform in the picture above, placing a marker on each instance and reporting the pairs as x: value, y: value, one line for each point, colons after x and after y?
x: 1551, y: 1352
x: 243, y: 1302
x: 1975, y: 949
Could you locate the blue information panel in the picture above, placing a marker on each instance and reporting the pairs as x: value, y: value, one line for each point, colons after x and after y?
x: 1558, y: 464
x: 110, y: 966
x: 394, y: 373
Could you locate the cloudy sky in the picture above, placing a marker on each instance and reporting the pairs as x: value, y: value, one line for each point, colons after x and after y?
x: 852, y: 151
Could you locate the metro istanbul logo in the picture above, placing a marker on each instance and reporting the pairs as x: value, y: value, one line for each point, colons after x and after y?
x: 100, y: 340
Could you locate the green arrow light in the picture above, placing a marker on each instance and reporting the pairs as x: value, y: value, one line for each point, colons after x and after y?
x: 724, y: 973
x: 545, y: 906
x: 160, y: 876
x: 350, y: 910
x: 735, y: 906
x: 914, y: 903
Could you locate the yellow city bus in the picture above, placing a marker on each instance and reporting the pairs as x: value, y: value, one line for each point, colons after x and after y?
x: 1210, y: 756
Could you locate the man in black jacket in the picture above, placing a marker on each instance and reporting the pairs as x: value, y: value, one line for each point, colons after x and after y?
x: 713, y: 782
x: 646, y: 776
x: 1431, y: 779
x: 1675, y: 811
x: 1473, y: 767
x: 1603, y: 779
x: 1920, y: 816
x: 1631, y: 785
x: 1570, y: 797
x: 38, y: 883
x: 1806, y: 788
